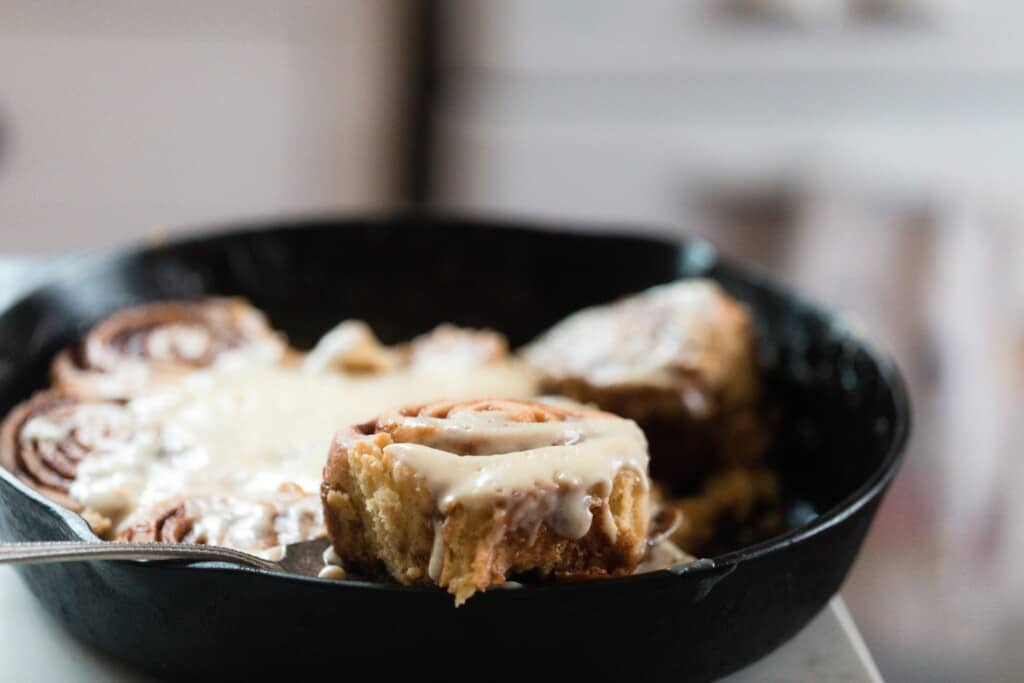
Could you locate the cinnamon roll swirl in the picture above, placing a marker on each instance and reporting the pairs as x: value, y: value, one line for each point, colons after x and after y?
x: 463, y: 494
x: 147, y: 347
x: 680, y: 359
x: 44, y: 441
x: 250, y: 524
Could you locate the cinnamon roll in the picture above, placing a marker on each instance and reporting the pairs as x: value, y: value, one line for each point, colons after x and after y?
x: 352, y: 348
x: 251, y: 524
x: 147, y: 347
x: 451, y: 347
x: 464, y: 494
x: 45, y: 440
x: 680, y: 359
x: 738, y: 500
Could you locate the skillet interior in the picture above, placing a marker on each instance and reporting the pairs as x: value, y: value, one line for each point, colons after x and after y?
x: 842, y: 429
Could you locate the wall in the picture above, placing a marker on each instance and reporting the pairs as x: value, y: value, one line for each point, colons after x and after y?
x: 122, y: 119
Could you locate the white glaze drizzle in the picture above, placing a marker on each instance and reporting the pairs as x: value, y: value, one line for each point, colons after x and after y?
x: 640, y: 340
x: 188, y: 341
x: 351, y: 345
x: 557, y: 471
x: 128, y: 375
x: 243, y: 435
x: 436, y: 564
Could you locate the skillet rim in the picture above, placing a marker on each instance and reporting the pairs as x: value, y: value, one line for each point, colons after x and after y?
x: 95, y: 261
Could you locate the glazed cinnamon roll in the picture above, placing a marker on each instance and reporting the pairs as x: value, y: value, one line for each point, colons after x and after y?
x: 44, y: 441
x: 147, y: 347
x: 250, y: 524
x: 464, y: 494
x: 451, y: 347
x: 352, y: 348
x: 679, y: 359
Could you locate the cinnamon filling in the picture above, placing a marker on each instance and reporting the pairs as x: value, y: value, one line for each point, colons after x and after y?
x: 48, y: 438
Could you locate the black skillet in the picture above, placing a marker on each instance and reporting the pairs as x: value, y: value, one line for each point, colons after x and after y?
x: 844, y: 423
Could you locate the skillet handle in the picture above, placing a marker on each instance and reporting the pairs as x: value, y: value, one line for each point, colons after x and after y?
x: 78, y: 551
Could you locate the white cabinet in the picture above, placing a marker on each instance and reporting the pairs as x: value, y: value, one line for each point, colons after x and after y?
x: 630, y: 110
x: 124, y: 119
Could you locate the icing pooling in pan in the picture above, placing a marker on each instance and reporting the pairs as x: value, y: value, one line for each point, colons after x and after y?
x: 246, y: 433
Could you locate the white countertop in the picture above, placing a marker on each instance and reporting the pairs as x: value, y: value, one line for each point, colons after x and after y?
x: 34, y: 647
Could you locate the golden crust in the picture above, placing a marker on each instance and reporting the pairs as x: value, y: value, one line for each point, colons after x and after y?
x: 382, y: 518
x: 698, y: 398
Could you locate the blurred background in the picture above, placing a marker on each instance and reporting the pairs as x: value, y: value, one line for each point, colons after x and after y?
x: 866, y: 151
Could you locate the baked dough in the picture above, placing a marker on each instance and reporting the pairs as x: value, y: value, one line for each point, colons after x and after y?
x: 150, y: 347
x: 680, y: 359
x: 464, y: 494
x: 44, y: 439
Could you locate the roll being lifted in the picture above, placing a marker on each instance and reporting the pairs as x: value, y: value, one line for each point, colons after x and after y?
x: 464, y: 494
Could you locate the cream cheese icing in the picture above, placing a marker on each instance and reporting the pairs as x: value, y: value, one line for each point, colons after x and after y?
x: 244, y: 432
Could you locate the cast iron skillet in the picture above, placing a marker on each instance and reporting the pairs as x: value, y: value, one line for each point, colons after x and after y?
x: 844, y: 424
